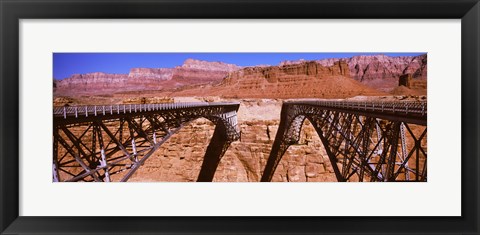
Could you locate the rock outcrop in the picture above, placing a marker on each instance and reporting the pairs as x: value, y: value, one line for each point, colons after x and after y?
x: 96, y: 80
x: 197, y: 71
x: 180, y: 158
x: 306, y: 71
x: 407, y: 80
x: 327, y: 78
x: 161, y: 74
x: 148, y: 100
x: 190, y: 73
x: 417, y: 67
x: 371, y: 67
x: 208, y: 65
x: 303, y: 80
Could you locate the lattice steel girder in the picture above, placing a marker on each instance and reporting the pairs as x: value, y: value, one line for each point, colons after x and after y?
x: 361, y: 139
x: 110, y: 144
x: 413, y: 112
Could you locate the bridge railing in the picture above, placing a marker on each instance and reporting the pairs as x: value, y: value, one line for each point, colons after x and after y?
x: 403, y: 107
x: 96, y: 110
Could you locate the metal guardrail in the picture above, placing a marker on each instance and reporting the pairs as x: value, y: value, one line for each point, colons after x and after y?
x: 97, y: 110
x: 417, y: 108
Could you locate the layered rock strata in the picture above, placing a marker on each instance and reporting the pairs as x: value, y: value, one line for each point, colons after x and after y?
x: 370, y: 67
x: 303, y: 80
x: 190, y: 73
x: 196, y: 71
x: 143, y: 74
x: 408, y: 81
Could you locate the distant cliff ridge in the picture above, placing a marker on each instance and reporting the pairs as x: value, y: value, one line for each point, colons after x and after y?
x: 208, y: 65
x: 296, y: 72
x: 190, y: 73
x: 197, y: 71
x: 297, y: 80
x: 161, y: 74
x: 371, y: 67
x: 294, y: 79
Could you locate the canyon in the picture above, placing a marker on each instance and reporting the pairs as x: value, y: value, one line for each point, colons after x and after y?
x: 260, y: 91
x: 367, y: 72
x: 180, y: 158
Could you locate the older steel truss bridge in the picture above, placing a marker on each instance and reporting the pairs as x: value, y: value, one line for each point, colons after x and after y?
x: 110, y: 143
x: 364, y: 141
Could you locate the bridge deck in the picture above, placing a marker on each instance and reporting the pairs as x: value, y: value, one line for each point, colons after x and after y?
x: 409, y: 111
x: 80, y: 113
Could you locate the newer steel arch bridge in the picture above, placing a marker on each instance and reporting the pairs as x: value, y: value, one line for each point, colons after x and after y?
x: 364, y: 141
x: 110, y: 143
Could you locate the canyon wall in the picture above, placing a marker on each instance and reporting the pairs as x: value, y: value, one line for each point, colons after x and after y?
x: 190, y: 73
x: 142, y: 74
x: 197, y: 71
x: 370, y: 67
x: 285, y: 73
x: 327, y: 78
x: 180, y: 158
x: 93, y: 80
x: 299, y: 80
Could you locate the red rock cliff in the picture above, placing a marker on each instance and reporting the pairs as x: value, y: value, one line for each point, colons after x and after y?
x: 371, y: 67
x: 190, y: 73
x: 304, y: 80
x: 196, y: 71
x: 160, y: 74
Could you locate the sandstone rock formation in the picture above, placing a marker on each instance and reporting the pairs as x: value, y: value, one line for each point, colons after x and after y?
x: 405, y: 80
x: 369, y: 67
x: 190, y: 73
x: 417, y: 67
x: 150, y: 74
x: 208, y: 65
x: 148, y: 100
x: 411, y: 84
x: 197, y: 71
x: 180, y: 158
x: 302, y: 80
x: 97, y: 79
x: 328, y: 78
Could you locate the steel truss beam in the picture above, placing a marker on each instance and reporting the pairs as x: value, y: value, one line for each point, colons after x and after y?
x: 364, y: 141
x: 110, y: 143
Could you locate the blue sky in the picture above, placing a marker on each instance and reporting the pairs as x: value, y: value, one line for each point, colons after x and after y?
x: 66, y: 64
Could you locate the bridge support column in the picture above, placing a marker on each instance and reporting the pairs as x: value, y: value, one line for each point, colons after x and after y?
x: 215, y: 151
x: 281, y: 142
x: 276, y: 155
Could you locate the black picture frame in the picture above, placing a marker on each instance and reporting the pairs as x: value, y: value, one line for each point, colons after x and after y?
x: 12, y: 11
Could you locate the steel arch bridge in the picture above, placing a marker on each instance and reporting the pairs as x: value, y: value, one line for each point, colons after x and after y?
x: 110, y: 143
x: 364, y: 141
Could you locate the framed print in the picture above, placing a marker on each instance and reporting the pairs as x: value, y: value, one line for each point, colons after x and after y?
x: 239, y: 117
